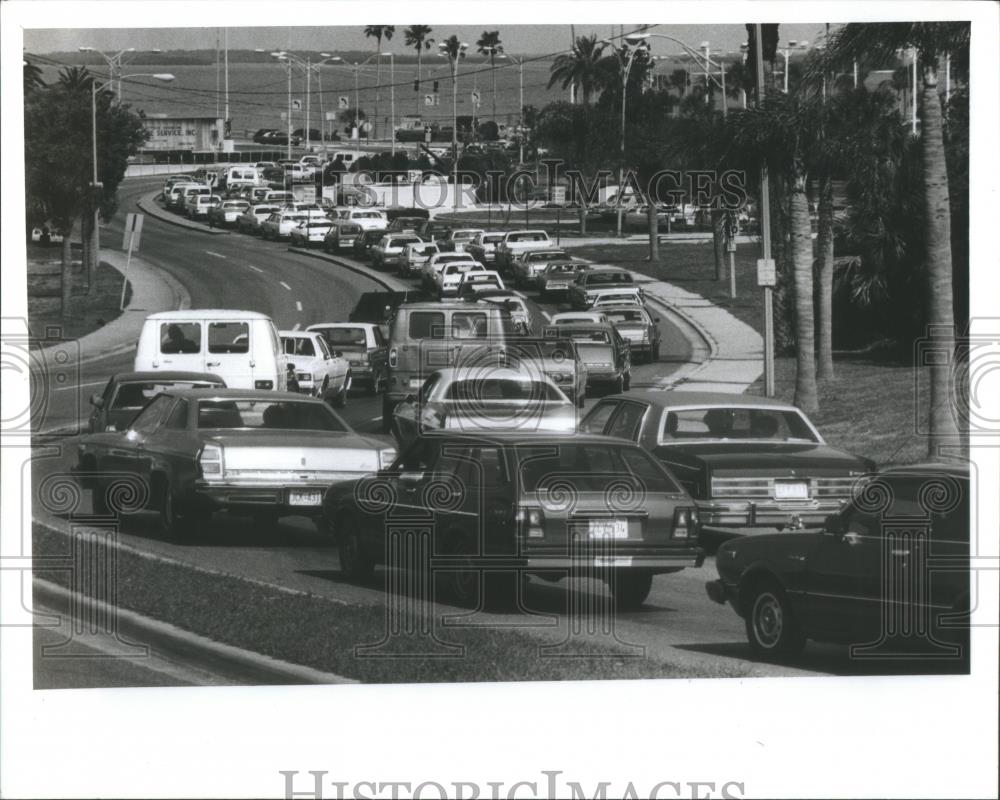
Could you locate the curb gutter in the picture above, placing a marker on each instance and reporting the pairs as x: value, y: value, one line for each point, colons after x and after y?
x: 148, y: 205
x: 237, y: 664
x: 390, y: 283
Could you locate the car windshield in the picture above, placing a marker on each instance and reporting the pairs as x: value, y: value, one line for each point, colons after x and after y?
x: 587, y: 336
x: 267, y: 415
x: 366, y: 215
x: 718, y: 423
x: 340, y: 337
x: 590, y: 467
x: 493, y: 239
x: 136, y: 395
x: 598, y: 278
x: 528, y: 237
x: 627, y: 316
x: 554, y: 269
x: 502, y: 389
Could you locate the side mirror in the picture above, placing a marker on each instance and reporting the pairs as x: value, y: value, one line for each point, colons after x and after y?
x: 835, y: 524
x: 96, y: 400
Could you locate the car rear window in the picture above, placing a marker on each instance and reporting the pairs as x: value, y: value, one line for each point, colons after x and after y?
x: 228, y: 337
x: 298, y: 346
x: 626, y: 316
x: 344, y: 336
x: 735, y: 423
x: 267, y: 414
x: 597, y: 278
x: 180, y: 337
x: 590, y: 468
x: 483, y: 389
x: 136, y: 395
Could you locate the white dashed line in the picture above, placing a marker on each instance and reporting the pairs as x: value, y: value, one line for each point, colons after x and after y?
x: 298, y: 305
x: 296, y: 326
x: 255, y: 269
x: 289, y: 288
x: 217, y: 255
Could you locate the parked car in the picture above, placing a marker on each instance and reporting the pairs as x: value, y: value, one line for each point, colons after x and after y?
x: 309, y: 232
x: 476, y: 281
x: 603, y: 350
x: 483, y: 246
x: 527, y: 267
x: 318, y: 370
x: 508, y: 514
x: 249, y: 221
x: 341, y: 236
x: 588, y: 284
x: 363, y: 345
x: 126, y: 393
x: 227, y: 212
x: 415, y: 256
x: 637, y: 327
x: 516, y: 242
x: 450, y: 276
x: 749, y: 462
x: 280, y: 224
x: 425, y: 336
x: 867, y: 577
x: 555, y: 280
x: 389, y: 252
x: 457, y: 239
x: 267, y: 454
x: 485, y: 399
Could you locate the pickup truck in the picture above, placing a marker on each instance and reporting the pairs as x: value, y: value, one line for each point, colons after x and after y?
x: 516, y: 242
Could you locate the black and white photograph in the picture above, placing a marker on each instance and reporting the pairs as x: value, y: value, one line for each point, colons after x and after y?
x: 525, y: 403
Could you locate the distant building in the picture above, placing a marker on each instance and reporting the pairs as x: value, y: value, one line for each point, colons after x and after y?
x: 183, y: 132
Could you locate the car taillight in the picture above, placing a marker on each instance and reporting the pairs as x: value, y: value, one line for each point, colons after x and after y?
x: 532, y: 522
x: 263, y: 384
x: 392, y: 357
x: 685, y: 523
x: 210, y: 461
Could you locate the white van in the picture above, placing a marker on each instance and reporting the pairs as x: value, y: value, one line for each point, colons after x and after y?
x: 241, y: 347
x: 236, y: 178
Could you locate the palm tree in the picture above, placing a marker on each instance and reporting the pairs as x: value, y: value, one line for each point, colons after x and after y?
x: 932, y: 40
x: 32, y: 78
x: 417, y: 38
x: 489, y: 44
x: 378, y: 33
x: 582, y: 68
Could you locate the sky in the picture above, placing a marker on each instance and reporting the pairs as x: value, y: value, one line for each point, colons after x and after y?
x: 517, y: 38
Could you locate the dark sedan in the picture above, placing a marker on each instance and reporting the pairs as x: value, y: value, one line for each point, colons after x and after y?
x: 127, y: 392
x: 749, y: 462
x: 194, y: 451
x: 888, y: 575
x: 499, y: 505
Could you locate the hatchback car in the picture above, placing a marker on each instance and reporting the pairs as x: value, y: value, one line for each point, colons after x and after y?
x: 249, y: 221
x: 887, y: 575
x: 391, y: 249
x: 341, y: 236
x: 587, y: 285
x: 528, y: 267
x: 498, y: 505
x: 415, y: 256
x: 555, y: 281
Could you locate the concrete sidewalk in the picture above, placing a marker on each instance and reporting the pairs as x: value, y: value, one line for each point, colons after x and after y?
x: 152, y: 290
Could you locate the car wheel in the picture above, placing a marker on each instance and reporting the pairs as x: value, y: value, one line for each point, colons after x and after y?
x: 387, y: 408
x: 627, y: 381
x: 772, y: 629
x: 325, y: 389
x: 654, y: 354
x: 340, y: 400
x: 376, y: 386
x: 354, y: 563
x: 166, y: 509
x: 630, y: 589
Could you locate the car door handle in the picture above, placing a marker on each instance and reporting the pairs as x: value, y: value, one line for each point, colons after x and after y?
x: 213, y: 363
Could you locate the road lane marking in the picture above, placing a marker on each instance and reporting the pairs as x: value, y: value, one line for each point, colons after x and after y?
x: 296, y: 326
x: 80, y: 386
x: 255, y: 269
x: 298, y: 305
x: 212, y: 253
x: 289, y: 288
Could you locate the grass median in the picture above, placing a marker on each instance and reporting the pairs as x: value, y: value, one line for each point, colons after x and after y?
x: 315, y: 631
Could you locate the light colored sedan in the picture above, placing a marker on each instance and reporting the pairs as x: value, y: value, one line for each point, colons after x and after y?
x: 227, y: 212
x: 450, y: 277
x: 310, y: 232
x: 484, y: 399
x: 279, y: 225
x: 578, y: 318
x: 436, y: 264
x: 318, y: 371
x: 249, y: 221
x: 416, y: 256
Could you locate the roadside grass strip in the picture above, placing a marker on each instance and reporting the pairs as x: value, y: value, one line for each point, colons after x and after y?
x: 346, y: 639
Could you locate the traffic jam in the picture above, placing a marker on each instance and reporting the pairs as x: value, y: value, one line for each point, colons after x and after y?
x: 514, y: 436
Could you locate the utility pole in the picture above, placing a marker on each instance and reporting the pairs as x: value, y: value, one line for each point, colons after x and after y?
x: 765, y: 224
x: 226, y: 123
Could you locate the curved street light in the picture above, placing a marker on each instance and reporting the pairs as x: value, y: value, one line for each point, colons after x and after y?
x: 626, y: 67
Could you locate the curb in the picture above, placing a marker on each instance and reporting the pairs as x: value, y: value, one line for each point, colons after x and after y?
x: 243, y: 666
x: 390, y: 283
x: 148, y: 205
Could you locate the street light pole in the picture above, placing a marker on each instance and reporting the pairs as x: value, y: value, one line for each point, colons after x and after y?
x: 765, y: 219
x: 626, y: 67
x: 392, y: 99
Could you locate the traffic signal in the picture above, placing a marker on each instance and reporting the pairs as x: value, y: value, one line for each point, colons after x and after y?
x: 416, y: 84
x: 435, y: 87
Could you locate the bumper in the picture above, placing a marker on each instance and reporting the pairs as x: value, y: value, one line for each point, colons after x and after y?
x: 257, y: 496
x: 770, y: 514
x: 590, y: 558
x: 720, y: 592
x: 601, y: 377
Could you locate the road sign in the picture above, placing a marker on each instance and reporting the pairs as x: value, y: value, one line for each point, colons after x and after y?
x: 296, y: 105
x: 767, y: 274
x: 133, y: 230
x: 331, y: 116
x: 475, y: 98
x: 428, y: 99
x: 343, y: 102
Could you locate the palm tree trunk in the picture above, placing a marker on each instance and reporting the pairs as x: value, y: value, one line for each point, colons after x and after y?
x: 378, y: 80
x: 806, y: 396
x: 824, y: 244
x: 654, y: 233
x: 583, y: 221
x: 86, y: 246
x: 940, y: 309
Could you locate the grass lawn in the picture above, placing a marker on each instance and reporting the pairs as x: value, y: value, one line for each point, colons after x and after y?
x: 86, y: 313
x: 315, y: 631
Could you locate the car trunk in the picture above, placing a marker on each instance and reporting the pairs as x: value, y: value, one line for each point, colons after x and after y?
x: 294, y: 455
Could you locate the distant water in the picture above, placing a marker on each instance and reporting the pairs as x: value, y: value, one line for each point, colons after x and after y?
x: 258, y: 93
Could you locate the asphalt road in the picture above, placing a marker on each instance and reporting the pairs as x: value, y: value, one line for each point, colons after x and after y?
x: 678, y: 623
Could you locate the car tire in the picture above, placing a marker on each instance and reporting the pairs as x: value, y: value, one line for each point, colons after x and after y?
x: 627, y: 381
x: 654, y: 354
x: 166, y: 510
x: 340, y: 399
x: 388, y: 407
x: 376, y: 387
x: 772, y: 630
x: 354, y: 563
x: 630, y: 589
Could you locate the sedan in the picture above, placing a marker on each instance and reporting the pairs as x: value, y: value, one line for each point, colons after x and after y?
x: 603, y: 350
x: 364, y: 347
x: 497, y: 506
x: 262, y: 453
x: 127, y: 392
x: 867, y: 578
x: 638, y: 328
x: 318, y: 370
x: 485, y: 399
x: 310, y: 232
x: 250, y: 220
x: 227, y: 212
x: 341, y: 235
x: 280, y: 224
x: 557, y: 278
x: 450, y: 276
x: 751, y: 463
x: 415, y: 257
x: 527, y: 267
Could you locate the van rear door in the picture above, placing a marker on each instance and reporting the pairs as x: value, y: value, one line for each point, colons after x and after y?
x: 229, y: 352
x: 181, y: 346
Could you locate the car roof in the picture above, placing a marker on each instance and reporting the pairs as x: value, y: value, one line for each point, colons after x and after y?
x: 242, y: 394
x: 305, y: 334
x: 599, y: 268
x: 525, y: 438
x: 624, y: 307
x: 584, y: 326
x: 198, y: 314
x: 481, y: 373
x: 320, y: 325
x: 674, y: 399
x: 166, y: 375
x: 442, y: 305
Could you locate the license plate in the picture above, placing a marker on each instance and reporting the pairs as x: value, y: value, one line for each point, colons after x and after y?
x: 608, y: 529
x: 612, y: 561
x: 554, y: 286
x: 787, y: 490
x: 415, y: 383
x: 300, y: 497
